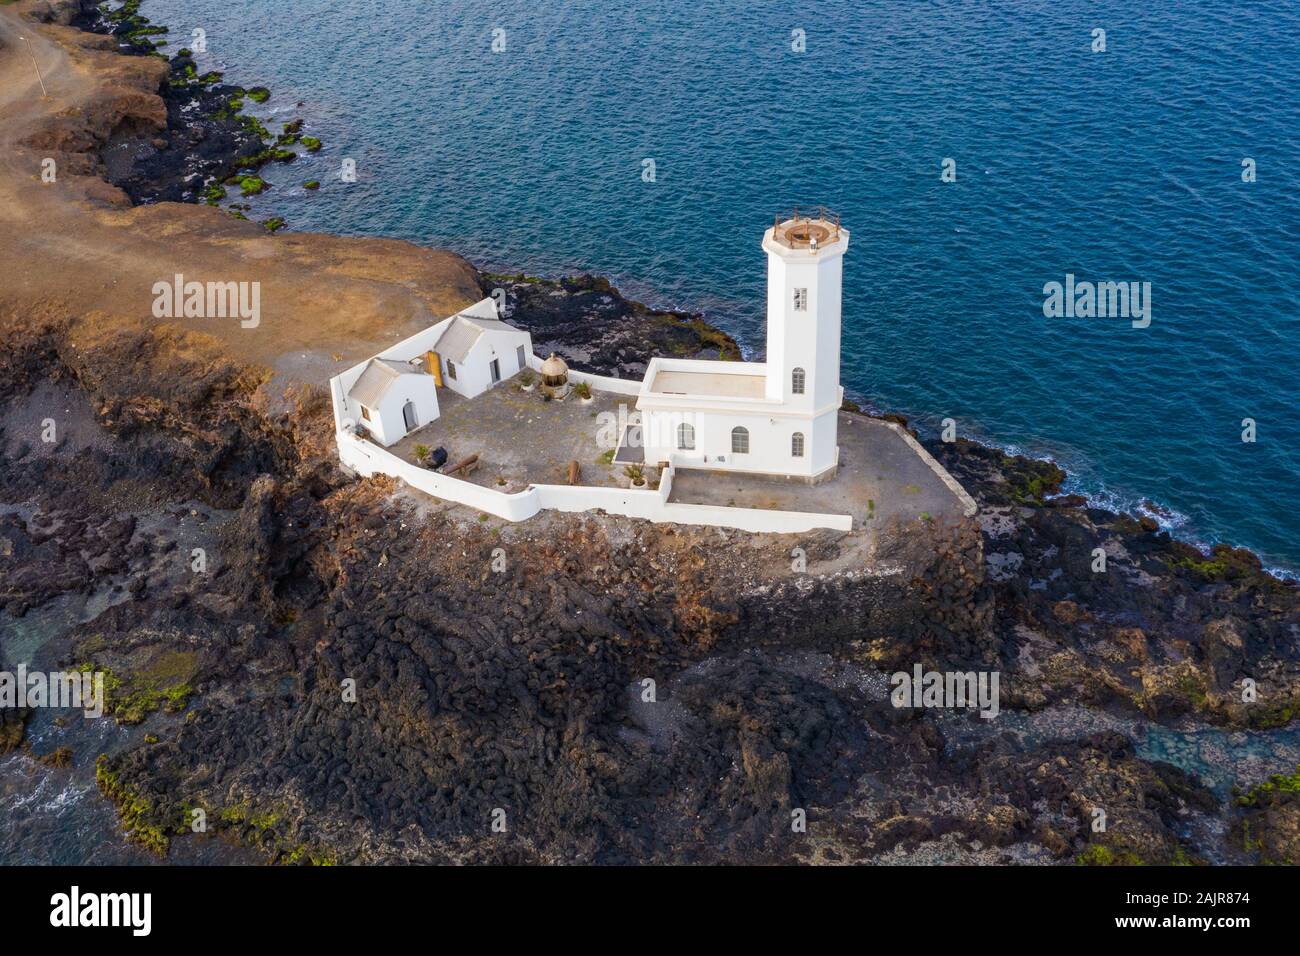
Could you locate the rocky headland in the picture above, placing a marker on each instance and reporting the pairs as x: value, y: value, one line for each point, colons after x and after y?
x: 335, y: 670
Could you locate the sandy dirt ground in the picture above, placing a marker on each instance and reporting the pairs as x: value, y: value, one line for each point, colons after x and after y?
x: 76, y: 249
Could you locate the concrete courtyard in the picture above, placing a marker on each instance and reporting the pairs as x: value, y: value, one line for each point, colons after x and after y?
x: 881, y: 481
x: 520, y: 438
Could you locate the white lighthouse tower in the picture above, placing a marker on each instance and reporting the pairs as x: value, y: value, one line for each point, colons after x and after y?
x: 776, y: 417
x: 805, y: 256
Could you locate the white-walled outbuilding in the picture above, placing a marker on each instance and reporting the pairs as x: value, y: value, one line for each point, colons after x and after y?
x: 393, y: 398
x: 396, y: 392
x: 476, y: 350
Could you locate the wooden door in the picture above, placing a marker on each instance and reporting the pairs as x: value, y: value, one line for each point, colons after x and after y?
x: 433, y: 365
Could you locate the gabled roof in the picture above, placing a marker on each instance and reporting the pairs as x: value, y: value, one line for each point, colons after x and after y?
x: 378, y: 376
x: 463, y: 332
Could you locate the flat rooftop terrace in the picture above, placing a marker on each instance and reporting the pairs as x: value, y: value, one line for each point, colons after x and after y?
x: 714, y: 384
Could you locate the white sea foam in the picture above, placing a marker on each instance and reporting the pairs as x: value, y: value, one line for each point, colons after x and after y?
x: 37, y: 789
x: 1097, y: 493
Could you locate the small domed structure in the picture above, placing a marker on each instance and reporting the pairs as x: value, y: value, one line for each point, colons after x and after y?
x: 555, y: 376
x: 554, y: 371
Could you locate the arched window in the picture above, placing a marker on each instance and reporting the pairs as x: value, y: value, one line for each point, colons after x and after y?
x: 686, y: 436
x: 740, y: 441
x: 796, y: 445
x: 796, y: 381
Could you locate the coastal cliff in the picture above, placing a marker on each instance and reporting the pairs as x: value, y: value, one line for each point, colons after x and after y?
x: 350, y: 678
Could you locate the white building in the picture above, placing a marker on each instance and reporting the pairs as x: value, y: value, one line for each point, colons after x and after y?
x: 475, y: 350
x: 396, y: 392
x: 393, y: 398
x: 777, y: 417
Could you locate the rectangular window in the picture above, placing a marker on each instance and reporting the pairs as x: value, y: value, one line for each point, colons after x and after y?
x: 365, y: 413
x: 801, y: 300
x: 451, y: 369
x: 519, y: 354
x: 495, y: 369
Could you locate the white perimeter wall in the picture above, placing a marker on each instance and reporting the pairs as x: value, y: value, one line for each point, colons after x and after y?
x: 619, y: 386
x: 367, y: 458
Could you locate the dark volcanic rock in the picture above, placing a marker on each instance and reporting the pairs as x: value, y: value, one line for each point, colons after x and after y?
x: 348, y: 679
x: 357, y: 684
x: 587, y: 322
x: 206, y: 138
x: 1268, y: 826
x: 13, y: 724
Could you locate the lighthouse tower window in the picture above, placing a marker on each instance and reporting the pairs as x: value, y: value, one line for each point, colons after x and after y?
x: 801, y: 300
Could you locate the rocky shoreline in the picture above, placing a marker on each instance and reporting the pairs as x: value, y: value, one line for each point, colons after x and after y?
x: 519, y: 696
x: 211, y: 144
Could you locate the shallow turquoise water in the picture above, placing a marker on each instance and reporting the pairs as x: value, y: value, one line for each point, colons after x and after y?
x: 1123, y: 165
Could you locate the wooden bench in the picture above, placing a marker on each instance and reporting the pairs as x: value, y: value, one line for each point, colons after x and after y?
x: 465, y: 467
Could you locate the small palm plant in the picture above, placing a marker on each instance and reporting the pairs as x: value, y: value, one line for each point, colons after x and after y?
x: 422, y: 453
x: 635, y: 474
x: 582, y: 390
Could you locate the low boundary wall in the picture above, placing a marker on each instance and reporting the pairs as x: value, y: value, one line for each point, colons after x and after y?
x: 366, y: 458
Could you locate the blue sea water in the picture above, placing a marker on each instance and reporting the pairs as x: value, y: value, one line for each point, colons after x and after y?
x: 1116, y: 165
